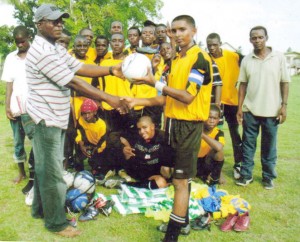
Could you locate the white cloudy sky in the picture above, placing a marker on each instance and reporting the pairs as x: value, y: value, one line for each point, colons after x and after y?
x: 232, y: 19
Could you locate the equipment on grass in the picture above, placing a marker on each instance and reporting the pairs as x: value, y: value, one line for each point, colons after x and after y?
x: 76, y: 200
x: 85, y: 182
x: 135, y: 65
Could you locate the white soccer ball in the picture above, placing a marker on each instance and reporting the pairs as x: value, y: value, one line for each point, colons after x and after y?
x: 135, y: 65
x: 85, y: 182
x: 69, y: 178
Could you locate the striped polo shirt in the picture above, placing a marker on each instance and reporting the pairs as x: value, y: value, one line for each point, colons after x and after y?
x: 48, y: 69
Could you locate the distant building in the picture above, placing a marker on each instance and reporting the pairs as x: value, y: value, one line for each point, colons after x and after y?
x: 293, y: 62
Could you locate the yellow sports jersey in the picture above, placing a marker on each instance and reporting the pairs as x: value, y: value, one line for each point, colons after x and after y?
x: 92, y: 54
x: 93, y: 132
x: 114, y: 85
x: 229, y: 70
x: 216, y: 134
x: 99, y: 81
x: 146, y: 91
x: 193, y: 73
x: 77, y: 100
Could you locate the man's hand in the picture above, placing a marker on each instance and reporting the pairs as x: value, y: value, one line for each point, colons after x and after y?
x: 128, y: 152
x: 119, y: 104
x: 117, y: 71
x: 281, y: 117
x: 128, y: 101
x: 149, y: 79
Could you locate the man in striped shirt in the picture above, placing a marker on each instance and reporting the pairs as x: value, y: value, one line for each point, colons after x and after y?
x: 50, y: 74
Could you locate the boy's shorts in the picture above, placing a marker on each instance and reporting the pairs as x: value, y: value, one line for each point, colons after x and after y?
x: 184, y: 138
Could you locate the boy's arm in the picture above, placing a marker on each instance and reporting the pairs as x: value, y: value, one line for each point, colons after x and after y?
x: 180, y: 95
x: 214, y: 144
x: 9, y: 90
x: 147, y: 102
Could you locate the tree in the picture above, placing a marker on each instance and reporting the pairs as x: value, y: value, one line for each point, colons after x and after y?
x: 24, y: 12
x: 6, y: 40
x: 95, y: 14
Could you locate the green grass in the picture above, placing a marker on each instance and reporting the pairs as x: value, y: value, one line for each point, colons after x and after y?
x: 275, y: 214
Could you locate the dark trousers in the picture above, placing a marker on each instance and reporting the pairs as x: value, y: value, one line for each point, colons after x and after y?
x: 49, y: 185
x: 233, y: 126
x: 251, y: 128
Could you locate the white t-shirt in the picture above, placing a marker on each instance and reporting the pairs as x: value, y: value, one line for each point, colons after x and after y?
x: 14, y: 71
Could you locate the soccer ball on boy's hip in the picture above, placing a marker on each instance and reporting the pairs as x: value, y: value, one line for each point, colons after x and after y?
x: 76, y: 200
x: 85, y: 182
x: 135, y: 65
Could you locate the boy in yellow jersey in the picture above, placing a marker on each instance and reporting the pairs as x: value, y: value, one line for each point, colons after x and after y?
x: 211, y: 154
x: 187, y: 102
x: 116, y: 86
x: 80, y: 49
x: 102, y: 44
x: 89, y: 35
x: 134, y: 35
x: 145, y: 91
x: 91, y: 140
x: 228, y: 63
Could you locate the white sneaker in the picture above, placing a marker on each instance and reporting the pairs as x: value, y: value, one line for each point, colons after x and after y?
x: 109, y: 174
x: 123, y: 174
x: 29, y: 197
x: 237, y: 173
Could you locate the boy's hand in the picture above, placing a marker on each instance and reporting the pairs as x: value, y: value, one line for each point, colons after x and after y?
x: 149, y: 79
x: 84, y: 150
x: 9, y: 114
x: 119, y: 104
x: 129, y: 101
x: 128, y: 152
x: 155, y: 61
x: 239, y: 117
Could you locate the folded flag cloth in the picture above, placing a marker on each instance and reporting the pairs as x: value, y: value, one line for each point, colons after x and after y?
x: 162, y: 210
x: 135, y: 200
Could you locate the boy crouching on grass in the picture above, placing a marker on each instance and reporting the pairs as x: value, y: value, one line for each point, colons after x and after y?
x: 211, y: 155
x: 91, y: 140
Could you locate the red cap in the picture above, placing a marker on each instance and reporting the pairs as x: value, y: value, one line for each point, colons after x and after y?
x: 89, y: 105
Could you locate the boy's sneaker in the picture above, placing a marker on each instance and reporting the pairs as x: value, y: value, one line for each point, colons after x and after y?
x: 244, y: 182
x: 229, y: 222
x: 123, y: 174
x: 185, y: 230
x: 112, y: 183
x: 242, y: 223
x: 237, y: 172
x: 268, y: 184
x: 109, y: 174
x: 89, y: 214
x: 29, y: 197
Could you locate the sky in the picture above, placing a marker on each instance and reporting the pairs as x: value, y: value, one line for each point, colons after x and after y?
x: 231, y: 19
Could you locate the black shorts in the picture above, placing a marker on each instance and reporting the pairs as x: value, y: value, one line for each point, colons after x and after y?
x: 184, y: 139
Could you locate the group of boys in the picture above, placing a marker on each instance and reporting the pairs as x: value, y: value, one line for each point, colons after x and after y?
x: 117, y: 125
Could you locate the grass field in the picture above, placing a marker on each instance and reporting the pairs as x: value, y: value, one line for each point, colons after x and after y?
x: 274, y: 215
